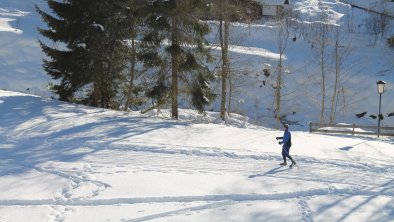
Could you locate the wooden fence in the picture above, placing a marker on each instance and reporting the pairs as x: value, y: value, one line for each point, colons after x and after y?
x: 350, y: 129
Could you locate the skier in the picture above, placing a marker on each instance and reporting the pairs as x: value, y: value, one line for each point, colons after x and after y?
x: 286, y: 141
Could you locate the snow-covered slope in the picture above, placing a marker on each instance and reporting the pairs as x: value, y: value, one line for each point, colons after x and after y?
x: 253, y: 47
x: 382, y: 6
x: 62, y: 162
x: 363, y: 64
x: 20, y: 53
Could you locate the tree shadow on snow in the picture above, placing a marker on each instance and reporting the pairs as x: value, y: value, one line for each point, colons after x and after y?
x: 385, y: 213
x: 366, y: 138
x: 36, y: 130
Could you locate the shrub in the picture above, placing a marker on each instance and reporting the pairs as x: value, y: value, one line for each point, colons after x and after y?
x: 390, y: 41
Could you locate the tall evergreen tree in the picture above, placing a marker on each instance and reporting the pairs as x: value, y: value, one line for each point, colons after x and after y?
x: 61, y: 63
x: 175, y: 28
x: 135, y: 21
x: 90, y: 52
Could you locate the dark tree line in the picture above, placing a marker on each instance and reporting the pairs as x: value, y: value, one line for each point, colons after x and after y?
x: 112, y: 54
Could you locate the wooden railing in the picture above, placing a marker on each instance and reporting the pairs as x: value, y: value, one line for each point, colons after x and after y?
x: 350, y: 129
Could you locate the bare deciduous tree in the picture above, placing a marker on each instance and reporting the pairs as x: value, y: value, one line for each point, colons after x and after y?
x: 283, y: 21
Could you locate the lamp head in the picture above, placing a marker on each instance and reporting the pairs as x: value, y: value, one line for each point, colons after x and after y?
x: 380, y: 85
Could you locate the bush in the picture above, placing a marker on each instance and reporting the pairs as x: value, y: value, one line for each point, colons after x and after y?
x: 390, y: 41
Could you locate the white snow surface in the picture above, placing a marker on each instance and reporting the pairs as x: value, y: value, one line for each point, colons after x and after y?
x: 253, y: 47
x: 70, y: 163
x: 65, y: 162
x: 5, y: 26
x: 20, y: 53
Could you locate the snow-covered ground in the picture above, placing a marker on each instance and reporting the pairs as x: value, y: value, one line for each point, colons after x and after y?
x: 375, y: 5
x: 64, y: 162
x: 20, y: 53
x: 253, y: 46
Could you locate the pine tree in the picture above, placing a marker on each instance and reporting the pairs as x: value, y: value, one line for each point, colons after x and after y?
x: 67, y: 61
x: 135, y: 22
x: 90, y: 52
x: 176, y: 22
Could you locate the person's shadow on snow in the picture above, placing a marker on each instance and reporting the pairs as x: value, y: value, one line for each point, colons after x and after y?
x: 271, y: 172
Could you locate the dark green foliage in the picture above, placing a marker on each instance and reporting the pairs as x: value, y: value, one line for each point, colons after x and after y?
x: 160, y: 90
x: 237, y: 10
x: 64, y: 63
x: 186, y: 51
x: 89, y: 53
x: 390, y: 41
x: 201, y: 93
x: 106, y: 53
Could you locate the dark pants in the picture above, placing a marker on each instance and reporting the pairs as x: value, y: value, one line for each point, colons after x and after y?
x: 286, y: 153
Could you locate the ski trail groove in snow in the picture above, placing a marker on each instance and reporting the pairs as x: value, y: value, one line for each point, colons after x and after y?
x: 181, y: 211
x: 218, y: 152
x: 165, y: 199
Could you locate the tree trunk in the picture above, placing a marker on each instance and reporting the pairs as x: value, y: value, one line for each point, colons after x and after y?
x: 278, y: 91
x: 230, y: 94
x: 174, y: 66
x: 96, y: 90
x: 103, y: 87
x: 337, y: 70
x: 224, y: 36
x: 129, y: 95
x: 322, y: 49
x: 97, y: 79
x: 283, y: 36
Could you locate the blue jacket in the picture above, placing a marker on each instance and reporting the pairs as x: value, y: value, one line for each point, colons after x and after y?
x: 286, y: 138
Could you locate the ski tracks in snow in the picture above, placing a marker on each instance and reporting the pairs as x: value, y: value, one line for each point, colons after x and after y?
x: 306, y: 212
x: 84, y: 189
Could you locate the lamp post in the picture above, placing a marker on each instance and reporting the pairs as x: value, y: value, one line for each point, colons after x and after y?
x: 380, y: 85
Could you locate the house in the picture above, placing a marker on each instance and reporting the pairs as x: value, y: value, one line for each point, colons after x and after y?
x: 272, y: 7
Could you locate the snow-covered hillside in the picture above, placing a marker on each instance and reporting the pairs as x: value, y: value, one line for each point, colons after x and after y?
x: 253, y: 47
x: 20, y: 53
x: 364, y: 63
x: 63, y: 162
